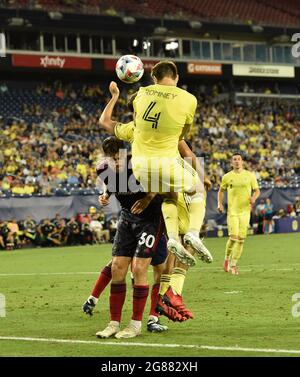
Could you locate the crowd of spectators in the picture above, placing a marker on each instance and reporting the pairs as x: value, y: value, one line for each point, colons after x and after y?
x: 61, y: 146
x: 89, y: 228
x: 266, y: 132
x: 264, y: 214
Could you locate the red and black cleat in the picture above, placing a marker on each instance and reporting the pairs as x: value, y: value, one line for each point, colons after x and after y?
x: 175, y: 302
x: 169, y: 312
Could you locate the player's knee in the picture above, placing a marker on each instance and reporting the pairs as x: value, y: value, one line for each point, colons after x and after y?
x: 118, y: 270
x: 139, y: 270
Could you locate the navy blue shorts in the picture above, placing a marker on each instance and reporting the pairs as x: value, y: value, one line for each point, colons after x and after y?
x: 137, y: 237
x: 161, y: 252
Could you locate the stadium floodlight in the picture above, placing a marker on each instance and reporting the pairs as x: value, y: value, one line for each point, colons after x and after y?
x: 146, y: 45
x: 195, y: 24
x: 173, y: 45
x: 16, y: 21
x: 257, y: 28
x: 55, y: 15
x: 160, y: 30
x: 128, y: 20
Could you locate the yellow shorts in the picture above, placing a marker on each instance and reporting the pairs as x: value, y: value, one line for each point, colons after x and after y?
x: 238, y: 224
x: 183, y: 212
x: 165, y: 175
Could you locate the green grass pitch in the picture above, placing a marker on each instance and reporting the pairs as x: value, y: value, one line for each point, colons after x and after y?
x: 250, y: 313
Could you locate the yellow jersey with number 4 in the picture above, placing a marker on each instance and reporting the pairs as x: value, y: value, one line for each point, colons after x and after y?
x: 161, y: 112
x: 239, y: 187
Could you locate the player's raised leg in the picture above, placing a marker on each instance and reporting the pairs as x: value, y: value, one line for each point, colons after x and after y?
x: 187, y: 183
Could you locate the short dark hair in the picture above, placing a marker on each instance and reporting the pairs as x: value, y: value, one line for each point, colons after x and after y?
x: 111, y: 146
x: 165, y: 68
x: 237, y: 154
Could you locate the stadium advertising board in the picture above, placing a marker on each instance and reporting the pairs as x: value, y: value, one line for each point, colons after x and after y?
x: 51, y: 62
x: 197, y: 68
x: 263, y: 70
x: 287, y: 225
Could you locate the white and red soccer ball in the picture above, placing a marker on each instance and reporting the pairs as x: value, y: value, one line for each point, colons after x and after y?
x: 129, y: 68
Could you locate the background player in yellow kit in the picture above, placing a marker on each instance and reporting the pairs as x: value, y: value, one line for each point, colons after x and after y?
x: 163, y: 113
x: 242, y: 190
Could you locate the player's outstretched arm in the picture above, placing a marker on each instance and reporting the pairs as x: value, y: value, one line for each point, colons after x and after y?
x: 105, y: 120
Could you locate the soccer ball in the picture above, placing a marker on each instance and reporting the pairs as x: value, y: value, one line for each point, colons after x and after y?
x: 129, y: 68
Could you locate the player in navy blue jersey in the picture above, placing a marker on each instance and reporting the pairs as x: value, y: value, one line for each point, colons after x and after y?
x: 139, y: 232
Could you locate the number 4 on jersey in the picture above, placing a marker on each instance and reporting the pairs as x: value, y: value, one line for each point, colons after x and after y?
x: 153, y: 119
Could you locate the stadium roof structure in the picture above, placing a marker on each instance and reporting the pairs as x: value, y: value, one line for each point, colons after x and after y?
x: 43, y: 20
x: 262, y: 12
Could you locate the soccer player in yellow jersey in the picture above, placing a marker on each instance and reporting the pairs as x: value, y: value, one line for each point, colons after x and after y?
x: 242, y: 189
x: 176, y: 279
x: 163, y: 114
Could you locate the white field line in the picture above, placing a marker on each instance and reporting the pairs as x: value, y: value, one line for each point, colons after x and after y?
x: 150, y: 345
x: 233, y: 292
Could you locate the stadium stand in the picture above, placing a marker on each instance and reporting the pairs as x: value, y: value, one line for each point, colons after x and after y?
x: 267, y: 12
x: 50, y: 139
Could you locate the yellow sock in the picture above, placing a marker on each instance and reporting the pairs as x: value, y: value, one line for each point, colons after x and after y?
x: 177, y: 280
x: 237, y: 252
x: 170, y: 213
x: 164, y: 283
x: 229, y: 248
x: 197, y: 212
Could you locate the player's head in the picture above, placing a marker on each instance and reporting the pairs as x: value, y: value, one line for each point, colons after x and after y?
x: 237, y: 161
x: 113, y: 148
x: 164, y: 69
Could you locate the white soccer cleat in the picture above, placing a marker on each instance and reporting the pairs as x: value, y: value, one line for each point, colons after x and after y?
x: 181, y: 253
x: 130, y: 331
x: 112, y: 328
x: 196, y: 244
x: 154, y: 325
